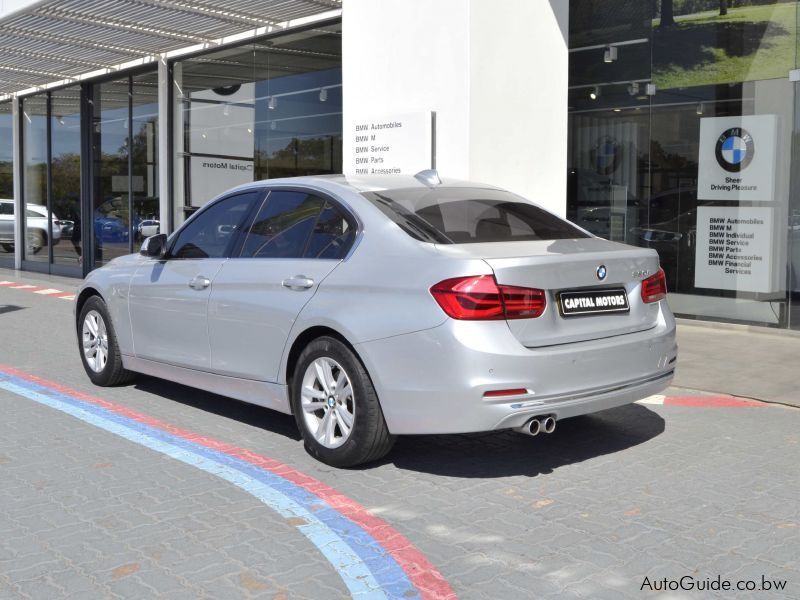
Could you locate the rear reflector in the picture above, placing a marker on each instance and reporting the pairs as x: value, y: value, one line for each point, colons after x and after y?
x: 479, y: 298
x: 654, y: 288
x: 497, y: 393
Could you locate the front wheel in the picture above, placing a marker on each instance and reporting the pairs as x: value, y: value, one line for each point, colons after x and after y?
x: 97, y: 341
x: 336, y: 407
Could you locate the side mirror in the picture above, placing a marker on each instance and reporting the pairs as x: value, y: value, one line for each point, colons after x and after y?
x: 155, y: 246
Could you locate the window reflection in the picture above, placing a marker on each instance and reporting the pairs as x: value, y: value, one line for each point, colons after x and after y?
x: 7, y: 232
x: 34, y: 132
x: 65, y: 127
x: 263, y: 110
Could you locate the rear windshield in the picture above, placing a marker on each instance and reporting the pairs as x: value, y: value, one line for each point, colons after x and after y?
x: 450, y: 215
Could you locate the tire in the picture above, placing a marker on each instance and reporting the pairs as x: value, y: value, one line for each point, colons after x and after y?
x: 108, y: 372
x: 8, y: 247
x: 36, y: 241
x: 368, y: 438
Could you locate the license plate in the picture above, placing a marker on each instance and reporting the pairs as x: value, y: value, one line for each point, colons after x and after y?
x: 592, y: 302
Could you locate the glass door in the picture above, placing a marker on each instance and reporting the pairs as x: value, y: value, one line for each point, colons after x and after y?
x: 110, y: 197
x: 124, y: 166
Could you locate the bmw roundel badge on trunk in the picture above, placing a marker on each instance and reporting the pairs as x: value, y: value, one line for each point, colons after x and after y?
x: 601, y: 272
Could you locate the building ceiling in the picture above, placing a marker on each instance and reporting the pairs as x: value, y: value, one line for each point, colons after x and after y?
x: 62, y: 40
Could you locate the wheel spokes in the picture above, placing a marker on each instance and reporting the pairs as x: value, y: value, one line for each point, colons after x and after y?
x: 326, y: 402
x: 344, y: 418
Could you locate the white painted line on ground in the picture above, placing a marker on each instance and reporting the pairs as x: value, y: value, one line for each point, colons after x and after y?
x: 67, y: 297
x: 23, y: 286
x: 48, y: 291
x: 657, y: 399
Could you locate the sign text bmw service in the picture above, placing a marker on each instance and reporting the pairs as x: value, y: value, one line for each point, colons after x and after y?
x: 390, y: 144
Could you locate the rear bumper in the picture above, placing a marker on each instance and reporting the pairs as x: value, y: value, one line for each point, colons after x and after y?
x: 433, y: 381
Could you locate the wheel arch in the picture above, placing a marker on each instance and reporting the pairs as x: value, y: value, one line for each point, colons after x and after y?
x: 83, y: 296
x: 306, y: 337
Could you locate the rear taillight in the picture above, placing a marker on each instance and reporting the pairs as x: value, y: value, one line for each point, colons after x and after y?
x: 654, y: 288
x: 479, y: 298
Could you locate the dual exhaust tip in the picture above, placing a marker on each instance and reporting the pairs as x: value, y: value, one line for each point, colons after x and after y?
x: 539, y: 425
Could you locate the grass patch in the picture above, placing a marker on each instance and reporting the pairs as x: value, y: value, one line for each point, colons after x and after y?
x: 750, y: 43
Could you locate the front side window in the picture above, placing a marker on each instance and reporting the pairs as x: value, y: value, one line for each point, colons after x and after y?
x: 283, y: 225
x: 450, y: 215
x: 211, y: 233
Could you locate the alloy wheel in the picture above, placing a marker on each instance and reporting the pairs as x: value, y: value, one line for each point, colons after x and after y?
x: 95, y: 341
x: 327, y: 402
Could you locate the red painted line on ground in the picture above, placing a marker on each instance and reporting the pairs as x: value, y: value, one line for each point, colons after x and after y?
x: 712, y: 402
x: 422, y: 573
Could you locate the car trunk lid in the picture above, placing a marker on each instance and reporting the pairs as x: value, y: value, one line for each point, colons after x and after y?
x: 568, y: 265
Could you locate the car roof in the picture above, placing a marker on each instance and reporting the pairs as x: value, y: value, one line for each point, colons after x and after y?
x: 361, y: 183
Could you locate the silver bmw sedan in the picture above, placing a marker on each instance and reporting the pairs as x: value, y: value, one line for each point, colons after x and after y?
x: 381, y: 306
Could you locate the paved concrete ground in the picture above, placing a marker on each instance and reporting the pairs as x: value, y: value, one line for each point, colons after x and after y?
x: 754, y: 362
x: 656, y: 491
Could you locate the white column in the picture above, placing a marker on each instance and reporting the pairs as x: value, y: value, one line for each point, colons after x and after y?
x: 402, y: 56
x: 518, y: 78
x: 494, y: 72
x: 164, y: 157
x: 19, y: 201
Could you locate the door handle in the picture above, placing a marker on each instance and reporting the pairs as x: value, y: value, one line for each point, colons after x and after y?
x: 199, y: 283
x: 297, y: 283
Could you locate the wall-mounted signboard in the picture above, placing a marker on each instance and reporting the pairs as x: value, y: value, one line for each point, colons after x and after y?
x: 737, y: 158
x: 390, y: 144
x: 734, y: 249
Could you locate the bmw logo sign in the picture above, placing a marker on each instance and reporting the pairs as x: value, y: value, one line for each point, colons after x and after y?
x: 735, y: 149
x: 606, y: 155
x: 601, y: 272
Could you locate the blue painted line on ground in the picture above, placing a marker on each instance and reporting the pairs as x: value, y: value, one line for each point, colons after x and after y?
x: 366, y: 568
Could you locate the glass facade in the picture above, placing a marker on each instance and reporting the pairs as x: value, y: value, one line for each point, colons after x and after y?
x: 261, y: 110
x: 682, y: 122
x: 65, y: 128
x: 51, y: 185
x: 90, y: 176
x: 37, y: 226
x: 110, y: 153
x: 7, y: 233
x: 125, y: 195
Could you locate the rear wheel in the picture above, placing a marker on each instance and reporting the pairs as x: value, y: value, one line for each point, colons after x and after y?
x: 97, y: 341
x: 8, y: 247
x: 36, y: 241
x: 336, y: 407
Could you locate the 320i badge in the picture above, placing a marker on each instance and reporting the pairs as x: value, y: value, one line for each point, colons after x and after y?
x: 380, y: 306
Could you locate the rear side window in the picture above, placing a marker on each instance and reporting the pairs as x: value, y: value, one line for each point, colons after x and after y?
x: 332, y: 236
x: 462, y: 215
x: 6, y: 208
x: 283, y: 225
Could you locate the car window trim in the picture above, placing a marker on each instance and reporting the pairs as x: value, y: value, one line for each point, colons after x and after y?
x: 238, y: 234
x: 323, y: 195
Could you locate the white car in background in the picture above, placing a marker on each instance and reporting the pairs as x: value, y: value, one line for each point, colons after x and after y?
x: 36, y: 219
x: 148, y: 227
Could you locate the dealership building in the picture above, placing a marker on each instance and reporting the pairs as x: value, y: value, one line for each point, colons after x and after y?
x: 671, y: 124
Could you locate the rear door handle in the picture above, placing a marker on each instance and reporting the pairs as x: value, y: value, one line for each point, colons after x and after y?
x: 297, y: 283
x: 199, y: 283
